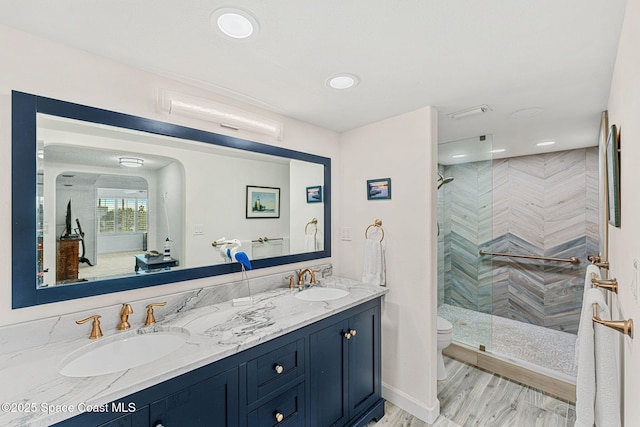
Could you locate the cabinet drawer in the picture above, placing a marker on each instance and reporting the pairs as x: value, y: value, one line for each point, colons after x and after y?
x: 286, y: 409
x: 272, y: 370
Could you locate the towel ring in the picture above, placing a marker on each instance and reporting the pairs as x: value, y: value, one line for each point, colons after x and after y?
x: 314, y: 221
x: 378, y: 224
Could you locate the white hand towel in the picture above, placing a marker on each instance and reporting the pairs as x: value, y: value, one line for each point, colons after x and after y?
x: 310, y: 243
x: 591, y: 269
x: 374, y: 269
x: 597, y: 395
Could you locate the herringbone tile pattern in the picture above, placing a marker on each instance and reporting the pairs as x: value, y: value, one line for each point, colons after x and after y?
x: 545, y: 205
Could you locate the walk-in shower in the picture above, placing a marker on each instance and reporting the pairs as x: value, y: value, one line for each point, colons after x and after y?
x: 525, y: 311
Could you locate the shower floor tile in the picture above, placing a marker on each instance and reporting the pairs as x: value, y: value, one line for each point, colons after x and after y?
x: 534, y: 347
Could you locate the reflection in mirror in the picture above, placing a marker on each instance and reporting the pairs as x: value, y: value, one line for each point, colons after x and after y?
x: 106, y: 218
x: 128, y: 206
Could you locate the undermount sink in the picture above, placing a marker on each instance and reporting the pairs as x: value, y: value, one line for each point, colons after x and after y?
x: 122, y: 352
x: 321, y: 294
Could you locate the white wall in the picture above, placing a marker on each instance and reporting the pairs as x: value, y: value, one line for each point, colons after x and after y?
x: 33, y: 65
x: 402, y: 148
x: 624, y: 242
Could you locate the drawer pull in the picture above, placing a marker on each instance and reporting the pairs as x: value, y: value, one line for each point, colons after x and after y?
x: 279, y: 417
x: 353, y: 332
x: 347, y: 335
x: 278, y: 368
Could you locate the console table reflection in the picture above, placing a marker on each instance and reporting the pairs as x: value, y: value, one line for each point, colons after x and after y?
x: 154, y: 263
x: 67, y: 259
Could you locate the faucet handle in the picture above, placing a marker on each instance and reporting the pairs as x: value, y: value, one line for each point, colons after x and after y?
x: 124, y: 317
x: 291, y: 281
x: 96, y: 332
x: 313, y: 276
x: 150, y: 317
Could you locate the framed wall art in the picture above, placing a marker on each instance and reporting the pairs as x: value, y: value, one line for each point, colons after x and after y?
x: 263, y: 202
x: 613, y: 176
x: 314, y: 194
x: 379, y: 188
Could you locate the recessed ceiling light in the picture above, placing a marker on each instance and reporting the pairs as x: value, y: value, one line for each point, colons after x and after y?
x: 542, y: 144
x: 458, y: 156
x: 526, y: 113
x: 234, y: 23
x: 498, y: 150
x: 342, y: 81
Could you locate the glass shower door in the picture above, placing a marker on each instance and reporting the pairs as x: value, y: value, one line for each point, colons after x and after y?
x: 465, y: 223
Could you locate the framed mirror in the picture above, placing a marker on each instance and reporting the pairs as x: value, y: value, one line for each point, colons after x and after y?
x: 104, y: 202
x: 613, y: 176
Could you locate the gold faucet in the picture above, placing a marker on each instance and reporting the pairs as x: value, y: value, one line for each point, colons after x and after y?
x: 124, y: 317
x: 96, y: 332
x: 301, y: 274
x: 150, y: 317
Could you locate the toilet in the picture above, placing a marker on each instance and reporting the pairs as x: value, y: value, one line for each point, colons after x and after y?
x: 445, y: 334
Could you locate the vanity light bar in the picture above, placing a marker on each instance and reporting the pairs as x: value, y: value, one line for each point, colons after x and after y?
x: 225, y: 115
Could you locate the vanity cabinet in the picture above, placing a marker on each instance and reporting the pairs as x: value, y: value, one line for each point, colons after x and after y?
x: 345, y: 369
x: 325, y: 374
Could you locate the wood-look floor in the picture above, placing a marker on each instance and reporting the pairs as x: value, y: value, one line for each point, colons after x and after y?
x: 473, y: 397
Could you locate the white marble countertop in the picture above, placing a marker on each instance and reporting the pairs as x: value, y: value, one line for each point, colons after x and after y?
x: 34, y: 393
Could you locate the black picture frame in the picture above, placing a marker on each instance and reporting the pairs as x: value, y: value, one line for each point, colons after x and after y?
x: 379, y: 189
x: 314, y: 194
x: 613, y: 175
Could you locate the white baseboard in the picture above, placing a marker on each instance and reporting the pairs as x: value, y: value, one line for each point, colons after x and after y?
x: 411, y: 405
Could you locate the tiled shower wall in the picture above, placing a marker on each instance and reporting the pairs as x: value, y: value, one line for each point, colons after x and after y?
x: 544, y: 205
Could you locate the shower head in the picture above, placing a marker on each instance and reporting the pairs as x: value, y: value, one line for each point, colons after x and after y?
x: 442, y: 180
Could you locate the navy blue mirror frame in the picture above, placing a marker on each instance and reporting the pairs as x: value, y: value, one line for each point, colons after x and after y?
x: 23, y: 200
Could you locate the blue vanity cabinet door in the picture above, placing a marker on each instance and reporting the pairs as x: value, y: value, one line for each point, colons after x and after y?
x: 364, y: 368
x: 213, y: 402
x: 345, y: 370
x: 328, y: 364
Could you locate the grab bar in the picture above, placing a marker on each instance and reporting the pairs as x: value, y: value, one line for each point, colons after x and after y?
x: 623, y: 326
x: 573, y: 260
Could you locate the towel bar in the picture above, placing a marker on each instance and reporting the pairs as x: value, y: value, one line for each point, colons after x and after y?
x: 609, y: 284
x: 378, y: 224
x: 266, y: 239
x: 623, y: 326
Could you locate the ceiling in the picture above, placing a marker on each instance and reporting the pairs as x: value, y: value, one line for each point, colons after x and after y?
x: 557, y: 56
